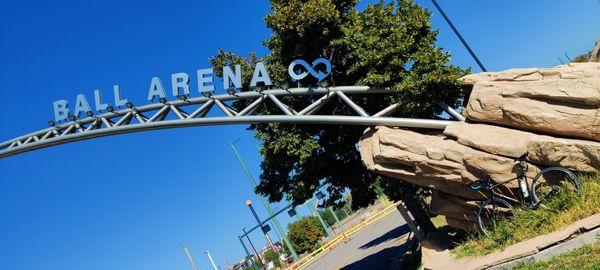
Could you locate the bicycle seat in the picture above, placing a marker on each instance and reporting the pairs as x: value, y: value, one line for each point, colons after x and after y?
x: 524, y: 156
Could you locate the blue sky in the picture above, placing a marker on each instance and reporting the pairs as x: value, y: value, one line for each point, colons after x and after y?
x: 131, y: 201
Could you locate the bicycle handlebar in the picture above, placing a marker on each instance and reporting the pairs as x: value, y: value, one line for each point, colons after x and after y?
x: 477, y: 185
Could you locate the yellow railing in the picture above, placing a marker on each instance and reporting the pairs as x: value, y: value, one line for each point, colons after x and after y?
x: 309, y: 258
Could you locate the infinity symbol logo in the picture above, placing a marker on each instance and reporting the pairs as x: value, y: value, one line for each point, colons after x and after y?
x: 320, y: 75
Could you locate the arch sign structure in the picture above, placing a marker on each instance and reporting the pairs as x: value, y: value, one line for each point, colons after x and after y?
x: 81, y: 123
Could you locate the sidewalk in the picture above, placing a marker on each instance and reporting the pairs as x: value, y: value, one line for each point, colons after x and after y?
x: 576, y: 235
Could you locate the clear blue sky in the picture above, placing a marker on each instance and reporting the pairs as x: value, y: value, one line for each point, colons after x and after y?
x: 131, y: 201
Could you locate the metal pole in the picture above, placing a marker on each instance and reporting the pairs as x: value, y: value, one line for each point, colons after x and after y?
x: 190, y: 258
x: 337, y: 220
x: 271, y: 217
x: 266, y: 205
x: 411, y: 223
x: 462, y: 40
x: 327, y: 231
x: 277, y: 213
x: 260, y: 224
x: 244, y: 246
x: 277, y: 232
x: 248, y: 255
x: 280, y: 237
x: 228, y: 264
x: 211, y: 260
x: 261, y: 264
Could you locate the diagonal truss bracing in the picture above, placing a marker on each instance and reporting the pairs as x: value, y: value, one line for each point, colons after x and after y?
x: 194, y: 112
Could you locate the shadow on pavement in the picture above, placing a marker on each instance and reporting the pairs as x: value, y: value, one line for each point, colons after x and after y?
x: 379, y: 260
x: 395, y: 233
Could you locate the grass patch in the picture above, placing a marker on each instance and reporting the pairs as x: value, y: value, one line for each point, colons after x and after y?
x: 587, y: 257
x: 439, y: 221
x: 559, y: 212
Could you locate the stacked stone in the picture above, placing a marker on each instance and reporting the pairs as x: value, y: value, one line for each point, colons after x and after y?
x: 552, y: 113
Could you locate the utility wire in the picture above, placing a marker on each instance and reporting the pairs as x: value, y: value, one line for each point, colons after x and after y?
x: 459, y: 35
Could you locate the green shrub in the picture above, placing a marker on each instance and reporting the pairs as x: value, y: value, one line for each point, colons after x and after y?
x: 305, y: 233
x: 272, y: 256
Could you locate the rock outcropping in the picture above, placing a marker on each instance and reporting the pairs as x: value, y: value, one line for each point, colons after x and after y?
x: 578, y: 155
x: 552, y: 113
x: 561, y: 101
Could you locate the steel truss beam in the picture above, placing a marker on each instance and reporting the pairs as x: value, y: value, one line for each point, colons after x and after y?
x: 154, y: 116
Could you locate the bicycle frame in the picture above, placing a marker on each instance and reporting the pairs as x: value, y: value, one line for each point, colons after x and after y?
x: 526, y: 201
x: 528, y: 196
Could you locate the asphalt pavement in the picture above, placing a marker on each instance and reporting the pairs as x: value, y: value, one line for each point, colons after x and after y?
x: 373, y: 247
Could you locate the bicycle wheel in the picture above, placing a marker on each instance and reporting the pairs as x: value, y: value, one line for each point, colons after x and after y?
x: 551, y: 181
x: 491, y: 212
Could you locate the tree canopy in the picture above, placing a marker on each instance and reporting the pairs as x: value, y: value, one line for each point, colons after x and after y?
x: 385, y: 45
x: 305, y: 233
x: 272, y: 256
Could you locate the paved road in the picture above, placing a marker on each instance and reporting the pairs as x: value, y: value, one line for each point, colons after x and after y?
x: 370, y: 248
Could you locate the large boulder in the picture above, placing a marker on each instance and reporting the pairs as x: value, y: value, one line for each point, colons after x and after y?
x: 492, y: 139
x: 578, y: 155
x: 554, y: 114
x: 563, y: 101
x: 434, y: 161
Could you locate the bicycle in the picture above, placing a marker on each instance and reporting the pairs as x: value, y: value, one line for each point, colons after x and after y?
x: 547, y: 183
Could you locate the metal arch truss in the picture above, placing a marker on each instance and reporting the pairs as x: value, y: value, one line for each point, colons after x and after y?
x: 155, y: 116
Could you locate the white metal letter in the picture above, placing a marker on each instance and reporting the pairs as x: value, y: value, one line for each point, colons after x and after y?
x: 118, y: 101
x: 260, y: 75
x: 180, y: 80
x: 98, y: 101
x: 81, y: 105
x: 156, y: 89
x: 230, y: 78
x: 204, y: 80
x: 61, y: 110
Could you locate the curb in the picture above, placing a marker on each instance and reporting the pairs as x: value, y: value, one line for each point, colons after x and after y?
x: 587, y: 238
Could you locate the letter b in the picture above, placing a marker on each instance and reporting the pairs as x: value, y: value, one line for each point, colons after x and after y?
x: 61, y: 110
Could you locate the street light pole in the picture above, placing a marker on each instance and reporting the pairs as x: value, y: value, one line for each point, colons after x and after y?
x: 260, y: 262
x: 260, y: 225
x: 211, y: 260
x: 248, y: 256
x: 280, y: 231
x: 316, y: 211
x: 189, y: 256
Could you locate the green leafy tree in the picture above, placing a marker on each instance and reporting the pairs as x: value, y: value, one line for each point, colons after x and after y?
x: 386, y: 45
x: 305, y: 233
x: 272, y: 256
